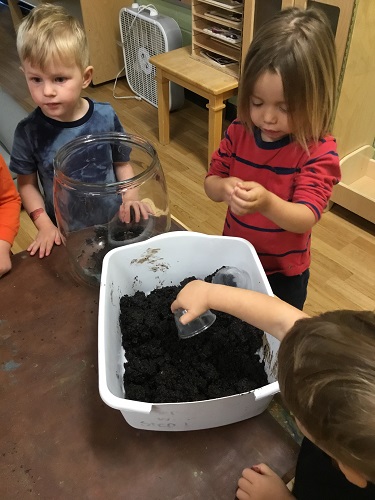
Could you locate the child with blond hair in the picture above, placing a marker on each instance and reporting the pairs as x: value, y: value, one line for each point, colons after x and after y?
x: 277, y: 164
x: 326, y: 373
x: 54, y: 55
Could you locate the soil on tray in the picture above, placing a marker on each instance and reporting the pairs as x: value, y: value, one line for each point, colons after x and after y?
x: 162, y: 368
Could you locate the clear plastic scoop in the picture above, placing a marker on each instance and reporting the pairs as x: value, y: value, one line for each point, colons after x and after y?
x: 232, y: 276
x: 197, y: 325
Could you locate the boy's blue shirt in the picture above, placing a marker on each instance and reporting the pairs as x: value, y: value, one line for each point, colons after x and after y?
x: 38, y: 138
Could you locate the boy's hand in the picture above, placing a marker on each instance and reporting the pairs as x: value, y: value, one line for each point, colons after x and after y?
x: 134, y: 211
x: 249, y: 197
x: 194, y: 298
x: 47, y: 236
x: 262, y: 483
x: 5, y: 262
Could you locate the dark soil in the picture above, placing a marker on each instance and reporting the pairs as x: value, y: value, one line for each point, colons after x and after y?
x: 121, y: 235
x: 162, y: 368
x: 103, y: 242
x: 96, y: 261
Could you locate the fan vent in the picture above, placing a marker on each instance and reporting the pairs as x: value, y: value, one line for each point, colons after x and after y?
x: 144, y: 35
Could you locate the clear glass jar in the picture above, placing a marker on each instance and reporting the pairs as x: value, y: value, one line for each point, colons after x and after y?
x: 109, y: 190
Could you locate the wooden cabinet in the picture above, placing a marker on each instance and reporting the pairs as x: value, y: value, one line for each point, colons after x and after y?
x: 339, y: 13
x: 354, y: 124
x: 100, y: 19
x: 352, y: 22
x: 102, y: 27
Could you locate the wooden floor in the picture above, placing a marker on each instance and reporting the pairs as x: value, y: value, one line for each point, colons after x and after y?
x: 343, y: 245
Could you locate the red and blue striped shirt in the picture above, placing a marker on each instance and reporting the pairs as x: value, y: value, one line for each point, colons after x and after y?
x: 286, y: 169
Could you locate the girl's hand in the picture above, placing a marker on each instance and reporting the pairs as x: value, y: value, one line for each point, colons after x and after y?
x: 228, y: 186
x: 47, y: 236
x: 262, y: 483
x: 220, y: 189
x: 249, y: 197
x: 194, y: 298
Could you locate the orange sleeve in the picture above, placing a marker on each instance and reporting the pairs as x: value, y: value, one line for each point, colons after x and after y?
x: 10, y: 205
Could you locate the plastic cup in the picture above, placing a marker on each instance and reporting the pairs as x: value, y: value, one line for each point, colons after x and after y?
x: 231, y: 276
x: 197, y: 325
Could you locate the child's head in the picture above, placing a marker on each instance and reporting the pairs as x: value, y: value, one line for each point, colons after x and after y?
x: 49, y: 34
x: 298, y: 46
x: 327, y: 380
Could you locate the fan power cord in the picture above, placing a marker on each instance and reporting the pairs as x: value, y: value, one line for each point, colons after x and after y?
x: 140, y: 8
x: 150, y: 7
x: 137, y: 97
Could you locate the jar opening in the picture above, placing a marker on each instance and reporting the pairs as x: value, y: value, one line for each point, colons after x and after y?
x: 105, y: 162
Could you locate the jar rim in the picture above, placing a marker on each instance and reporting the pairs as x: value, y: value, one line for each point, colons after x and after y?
x: 105, y: 137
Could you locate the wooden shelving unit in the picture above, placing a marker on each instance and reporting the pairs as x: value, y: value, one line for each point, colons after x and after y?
x: 218, y: 31
x: 244, y: 17
x: 241, y: 17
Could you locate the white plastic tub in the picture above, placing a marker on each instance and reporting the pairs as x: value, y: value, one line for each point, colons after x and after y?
x: 163, y: 261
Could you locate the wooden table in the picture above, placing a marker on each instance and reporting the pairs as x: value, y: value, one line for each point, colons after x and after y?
x: 179, y: 67
x: 59, y: 440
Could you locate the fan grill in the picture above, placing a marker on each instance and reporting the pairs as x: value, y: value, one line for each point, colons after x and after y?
x: 144, y: 41
x: 145, y: 34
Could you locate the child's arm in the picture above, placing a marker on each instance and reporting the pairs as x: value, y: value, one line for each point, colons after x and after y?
x: 5, y: 262
x: 250, y: 197
x: 130, y: 197
x: 10, y: 205
x: 312, y: 189
x: 48, y: 233
x: 260, y: 310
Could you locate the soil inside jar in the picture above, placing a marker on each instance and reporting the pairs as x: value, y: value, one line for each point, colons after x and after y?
x: 162, y: 368
x: 101, y: 245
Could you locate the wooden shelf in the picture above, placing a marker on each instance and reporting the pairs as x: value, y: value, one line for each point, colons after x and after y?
x: 208, y: 14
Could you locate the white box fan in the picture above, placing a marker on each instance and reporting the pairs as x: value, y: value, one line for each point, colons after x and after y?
x: 145, y: 33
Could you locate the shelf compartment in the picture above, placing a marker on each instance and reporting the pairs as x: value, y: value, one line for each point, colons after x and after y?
x: 229, y: 6
x: 204, y: 12
x: 207, y: 42
x: 232, y: 69
x: 208, y: 27
x: 356, y: 191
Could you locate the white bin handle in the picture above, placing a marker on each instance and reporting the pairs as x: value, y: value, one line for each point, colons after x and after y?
x: 123, y: 404
x: 268, y: 390
x: 136, y: 406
